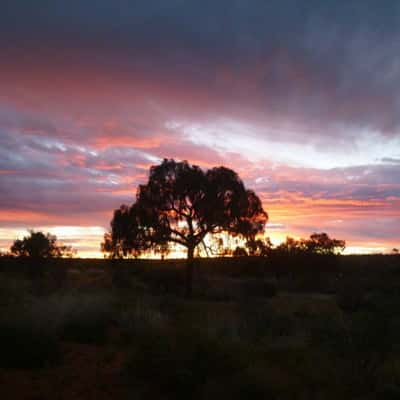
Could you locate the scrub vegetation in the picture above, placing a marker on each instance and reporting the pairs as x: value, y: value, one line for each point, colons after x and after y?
x: 304, y: 327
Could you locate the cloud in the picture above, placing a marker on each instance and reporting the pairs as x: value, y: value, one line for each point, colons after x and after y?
x: 391, y: 160
x: 322, y: 68
x: 300, y: 98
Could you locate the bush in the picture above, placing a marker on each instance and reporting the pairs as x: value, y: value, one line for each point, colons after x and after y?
x: 27, y: 343
x: 182, y: 366
x: 359, y: 346
x: 143, y: 318
x: 85, y: 319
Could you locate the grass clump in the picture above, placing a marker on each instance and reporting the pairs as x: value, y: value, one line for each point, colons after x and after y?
x: 181, y: 366
x: 27, y: 341
x: 140, y: 318
x: 86, y: 318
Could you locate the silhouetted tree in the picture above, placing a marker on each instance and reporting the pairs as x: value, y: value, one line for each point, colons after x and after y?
x: 181, y: 204
x: 321, y: 243
x: 259, y: 247
x: 290, y: 246
x: 239, y: 252
x: 40, y: 245
x: 126, y: 237
x: 318, y: 243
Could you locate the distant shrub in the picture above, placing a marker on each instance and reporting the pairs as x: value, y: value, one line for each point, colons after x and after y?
x: 40, y: 245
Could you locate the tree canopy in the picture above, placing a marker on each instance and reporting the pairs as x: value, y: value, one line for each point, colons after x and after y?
x: 40, y: 245
x: 180, y: 205
x: 318, y: 243
x: 321, y: 243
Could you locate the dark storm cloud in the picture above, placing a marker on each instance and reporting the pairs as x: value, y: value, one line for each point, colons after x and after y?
x: 330, y: 65
x: 229, y: 25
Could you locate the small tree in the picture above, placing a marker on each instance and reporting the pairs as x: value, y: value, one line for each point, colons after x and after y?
x: 40, y: 245
x: 321, y: 243
x: 290, y: 247
x: 239, y: 252
x: 259, y: 247
x: 318, y: 243
x: 180, y: 205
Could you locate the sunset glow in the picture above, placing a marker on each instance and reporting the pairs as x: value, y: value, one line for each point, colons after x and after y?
x: 303, y: 102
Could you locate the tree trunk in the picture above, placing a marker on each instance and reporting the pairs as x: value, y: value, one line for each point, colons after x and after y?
x: 189, y: 272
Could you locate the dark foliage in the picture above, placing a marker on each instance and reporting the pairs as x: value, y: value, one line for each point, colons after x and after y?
x: 259, y: 247
x: 25, y: 345
x: 40, y: 245
x: 87, y: 323
x: 187, y: 366
x: 318, y: 243
x: 180, y: 205
x: 300, y: 344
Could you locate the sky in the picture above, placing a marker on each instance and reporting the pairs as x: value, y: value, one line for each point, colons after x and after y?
x: 301, y: 98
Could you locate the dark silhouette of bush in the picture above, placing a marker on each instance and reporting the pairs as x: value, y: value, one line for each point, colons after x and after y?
x: 40, y: 245
x: 318, y: 243
x: 239, y: 252
x: 321, y: 243
x: 259, y: 247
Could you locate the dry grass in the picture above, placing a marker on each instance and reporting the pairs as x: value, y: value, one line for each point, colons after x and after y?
x: 246, y: 334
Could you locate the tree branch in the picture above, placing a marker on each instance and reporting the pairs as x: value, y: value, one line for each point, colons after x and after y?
x: 181, y: 242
